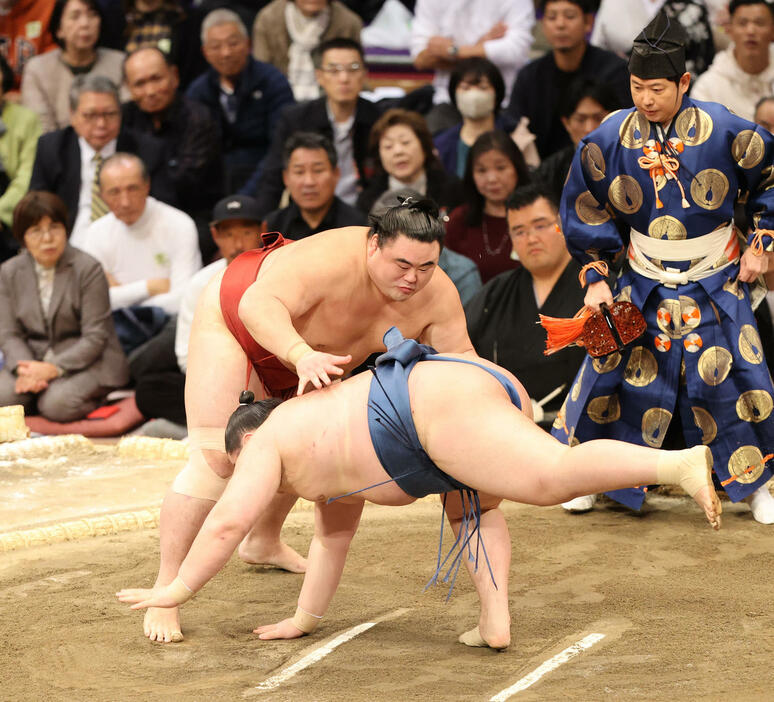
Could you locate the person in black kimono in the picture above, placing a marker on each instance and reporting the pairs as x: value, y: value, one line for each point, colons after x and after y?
x: 502, y: 317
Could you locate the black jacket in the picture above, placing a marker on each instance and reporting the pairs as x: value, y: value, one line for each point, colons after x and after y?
x: 194, y: 163
x: 311, y: 116
x: 57, y: 165
x: 540, y: 85
x: 292, y: 225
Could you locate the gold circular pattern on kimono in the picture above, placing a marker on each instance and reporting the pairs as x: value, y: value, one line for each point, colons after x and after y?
x: 754, y: 406
x: 604, y: 409
x: 625, y: 295
x: 642, y: 368
x: 576, y: 388
x: 709, y: 188
x: 588, y: 211
x: 689, y: 314
x: 706, y: 424
x: 667, y: 227
x: 767, y: 179
x: 668, y: 318
x: 654, y: 426
x: 742, y: 459
x: 715, y: 365
x: 693, y: 126
x: 750, y: 346
x: 626, y: 194
x: 606, y: 364
x: 634, y: 130
x: 662, y: 343
x: 732, y: 286
x: 692, y: 343
x: 748, y: 148
x: 593, y: 161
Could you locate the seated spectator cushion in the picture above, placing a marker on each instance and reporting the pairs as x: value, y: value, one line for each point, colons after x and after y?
x: 121, y: 422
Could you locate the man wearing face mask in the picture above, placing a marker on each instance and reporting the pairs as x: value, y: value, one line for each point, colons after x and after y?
x: 477, y: 90
x: 540, y: 85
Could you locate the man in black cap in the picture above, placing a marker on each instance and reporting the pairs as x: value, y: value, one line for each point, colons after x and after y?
x: 159, y: 369
x: 663, y: 179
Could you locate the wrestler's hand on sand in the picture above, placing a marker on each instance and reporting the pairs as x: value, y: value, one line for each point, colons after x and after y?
x: 751, y: 266
x: 317, y: 368
x: 596, y: 294
x: 281, y: 630
x: 140, y: 598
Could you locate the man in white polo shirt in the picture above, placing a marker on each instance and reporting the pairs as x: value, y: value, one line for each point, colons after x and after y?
x: 149, y: 250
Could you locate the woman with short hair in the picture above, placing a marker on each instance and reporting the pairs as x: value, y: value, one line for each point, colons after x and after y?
x: 62, y: 356
x: 76, y: 27
x: 402, y: 147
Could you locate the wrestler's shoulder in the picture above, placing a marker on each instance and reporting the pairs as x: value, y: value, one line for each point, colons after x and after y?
x: 330, y: 245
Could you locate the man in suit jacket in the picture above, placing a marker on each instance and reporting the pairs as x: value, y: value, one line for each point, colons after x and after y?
x: 68, y: 160
x: 75, y: 336
x: 244, y: 96
x: 341, y: 116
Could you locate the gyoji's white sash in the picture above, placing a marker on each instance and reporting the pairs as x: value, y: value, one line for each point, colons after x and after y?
x: 709, y: 249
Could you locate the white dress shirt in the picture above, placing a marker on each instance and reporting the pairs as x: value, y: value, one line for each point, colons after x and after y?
x: 88, y: 167
x: 466, y: 21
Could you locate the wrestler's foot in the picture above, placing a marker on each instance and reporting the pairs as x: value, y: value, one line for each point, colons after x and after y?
x: 163, y: 624
x: 762, y: 505
x: 693, y: 473
x: 580, y: 504
x: 474, y: 638
x: 278, y: 555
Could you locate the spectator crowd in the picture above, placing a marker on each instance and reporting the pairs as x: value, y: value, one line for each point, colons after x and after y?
x: 144, y: 144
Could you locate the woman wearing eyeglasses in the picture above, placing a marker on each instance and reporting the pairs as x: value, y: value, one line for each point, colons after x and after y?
x: 62, y: 356
x: 286, y: 31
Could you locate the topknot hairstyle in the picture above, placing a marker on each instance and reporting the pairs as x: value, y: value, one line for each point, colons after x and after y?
x: 417, y: 219
x: 247, y: 417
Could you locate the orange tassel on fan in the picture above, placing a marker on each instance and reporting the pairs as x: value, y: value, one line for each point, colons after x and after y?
x: 561, y: 333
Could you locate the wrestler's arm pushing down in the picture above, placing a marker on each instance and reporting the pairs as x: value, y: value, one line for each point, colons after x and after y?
x: 269, y: 306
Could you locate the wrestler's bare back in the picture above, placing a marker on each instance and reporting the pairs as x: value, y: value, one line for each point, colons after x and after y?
x: 337, y: 456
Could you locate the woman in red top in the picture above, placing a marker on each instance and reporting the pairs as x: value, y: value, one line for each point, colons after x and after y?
x: 478, y: 228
